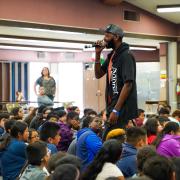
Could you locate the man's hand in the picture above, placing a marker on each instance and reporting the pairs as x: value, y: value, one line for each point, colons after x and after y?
x: 100, y: 46
x: 113, y: 118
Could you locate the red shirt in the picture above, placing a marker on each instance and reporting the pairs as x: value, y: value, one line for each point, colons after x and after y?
x: 151, y: 138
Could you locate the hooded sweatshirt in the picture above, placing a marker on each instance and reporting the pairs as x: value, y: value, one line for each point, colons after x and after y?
x: 169, y: 146
x: 127, y: 163
x: 87, y: 146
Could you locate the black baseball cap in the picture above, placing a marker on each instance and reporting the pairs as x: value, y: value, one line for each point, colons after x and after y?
x: 114, y: 29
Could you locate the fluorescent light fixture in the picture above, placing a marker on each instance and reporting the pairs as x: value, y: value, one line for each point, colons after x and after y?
x: 43, y: 43
x: 131, y: 47
x: 143, y: 48
x: 38, y: 49
x: 52, y: 31
x: 168, y: 8
x: 93, y: 50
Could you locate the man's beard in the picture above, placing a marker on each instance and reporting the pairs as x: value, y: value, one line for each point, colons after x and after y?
x: 110, y: 44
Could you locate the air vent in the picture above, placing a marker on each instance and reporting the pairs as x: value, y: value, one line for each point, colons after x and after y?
x: 69, y: 55
x: 131, y: 15
x: 41, y: 55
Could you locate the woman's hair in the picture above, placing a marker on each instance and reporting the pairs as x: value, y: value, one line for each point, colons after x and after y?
x: 53, y: 160
x: 65, y: 172
x: 18, y: 127
x: 35, y: 152
x: 15, y: 111
x: 169, y: 127
x: 143, y: 154
x: 9, y: 124
x: 110, y: 152
x: 86, y: 121
x: 72, y: 108
x: 158, y: 168
x: 176, y: 162
x: 151, y: 126
x: 48, y: 71
x: 70, y: 159
x: 176, y: 113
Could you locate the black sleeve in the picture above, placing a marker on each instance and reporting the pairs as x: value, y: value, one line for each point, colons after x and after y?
x: 128, y: 68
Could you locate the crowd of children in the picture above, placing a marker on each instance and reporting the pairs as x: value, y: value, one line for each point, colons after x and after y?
x: 57, y: 144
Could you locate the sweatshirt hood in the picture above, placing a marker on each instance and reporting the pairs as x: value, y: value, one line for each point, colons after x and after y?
x: 168, y: 137
x: 128, y: 150
x: 82, y: 131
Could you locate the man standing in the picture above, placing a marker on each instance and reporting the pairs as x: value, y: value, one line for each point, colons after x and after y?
x: 120, y: 67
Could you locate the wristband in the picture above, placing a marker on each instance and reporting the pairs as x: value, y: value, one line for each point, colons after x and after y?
x: 116, y: 112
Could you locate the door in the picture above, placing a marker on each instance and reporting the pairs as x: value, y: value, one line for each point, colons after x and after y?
x: 94, y: 89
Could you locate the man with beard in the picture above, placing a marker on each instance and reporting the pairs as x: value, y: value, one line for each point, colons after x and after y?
x: 120, y: 67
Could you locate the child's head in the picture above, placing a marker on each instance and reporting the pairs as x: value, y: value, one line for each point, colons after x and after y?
x: 50, y: 133
x: 3, y: 118
x: 176, y: 114
x: 62, y: 115
x: 96, y: 124
x: 41, y: 91
x: 46, y: 111
x: 20, y: 131
x: 164, y: 112
x: 136, y: 136
x: 102, y: 115
x: 130, y: 124
x: 37, y: 153
x: 17, y: 113
x: 52, y: 117
x: 163, y: 120
x: 53, y: 160
x: 143, y: 154
x: 33, y: 136
x: 159, y: 168
x: 70, y: 159
x: 74, y: 109
x: 73, y: 120
x: 152, y: 126
x: 8, y: 125
x: 176, y: 162
x: 141, y: 114
x: 66, y: 171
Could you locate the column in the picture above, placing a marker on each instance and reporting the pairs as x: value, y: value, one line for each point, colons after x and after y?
x: 172, y: 72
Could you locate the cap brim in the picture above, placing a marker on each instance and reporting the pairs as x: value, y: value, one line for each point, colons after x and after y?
x: 102, y: 30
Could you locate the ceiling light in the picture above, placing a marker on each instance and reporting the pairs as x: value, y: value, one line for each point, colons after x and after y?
x: 39, y: 49
x: 143, y: 48
x: 168, y: 8
x: 52, y: 31
x: 42, y: 43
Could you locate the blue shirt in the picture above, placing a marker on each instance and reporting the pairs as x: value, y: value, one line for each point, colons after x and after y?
x: 87, y: 146
x: 52, y: 148
x: 13, y: 159
x: 128, y: 163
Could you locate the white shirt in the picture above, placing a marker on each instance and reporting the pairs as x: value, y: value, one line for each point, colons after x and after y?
x: 109, y: 170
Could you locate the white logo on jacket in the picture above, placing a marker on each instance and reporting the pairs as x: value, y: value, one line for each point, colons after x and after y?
x: 114, y: 80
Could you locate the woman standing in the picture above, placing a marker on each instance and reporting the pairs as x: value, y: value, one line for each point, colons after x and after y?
x: 47, y: 82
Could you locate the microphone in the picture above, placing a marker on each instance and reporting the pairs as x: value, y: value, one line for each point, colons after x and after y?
x: 103, y: 44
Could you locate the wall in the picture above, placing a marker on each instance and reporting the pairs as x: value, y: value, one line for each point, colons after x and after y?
x: 31, y: 56
x: 85, y: 14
